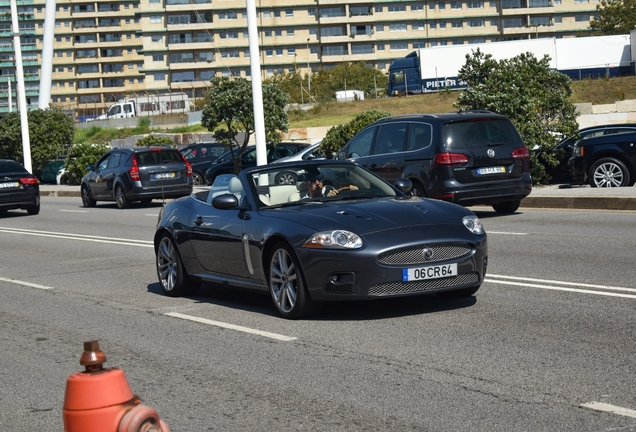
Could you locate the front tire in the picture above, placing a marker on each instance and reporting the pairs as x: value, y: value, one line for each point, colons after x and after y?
x: 87, y: 200
x: 172, y: 276
x: 609, y: 172
x: 507, y: 207
x: 120, y: 198
x: 33, y: 210
x: 286, y: 283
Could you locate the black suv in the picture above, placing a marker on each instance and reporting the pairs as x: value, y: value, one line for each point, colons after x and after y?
x: 201, y: 156
x: 605, y: 161
x: 469, y: 157
x: 225, y: 165
x: 141, y: 174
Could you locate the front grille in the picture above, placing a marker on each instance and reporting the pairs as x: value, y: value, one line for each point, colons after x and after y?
x: 339, y: 288
x: 414, y: 254
x: 423, y: 285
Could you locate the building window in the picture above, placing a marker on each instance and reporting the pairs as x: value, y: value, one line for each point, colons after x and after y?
x: 279, y: 51
x: 458, y: 24
x: 417, y: 45
x: 398, y: 27
x: 378, y: 9
x: 455, y: 5
x: 418, y: 26
x: 158, y: 57
x: 396, y: 8
x: 379, y: 28
x: 417, y: 7
x: 474, y: 4
x: 476, y: 23
x: 558, y: 19
x: 289, y: 13
x: 290, y: 33
x: 441, y: 5
x: 267, y: 14
x: 156, y: 38
x: 155, y: 19
x: 582, y: 18
x: 291, y: 51
x: 159, y: 76
x: 399, y: 46
x: 311, y: 12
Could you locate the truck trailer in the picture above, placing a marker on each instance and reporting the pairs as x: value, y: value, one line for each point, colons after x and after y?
x: 143, y: 106
x: 435, y: 68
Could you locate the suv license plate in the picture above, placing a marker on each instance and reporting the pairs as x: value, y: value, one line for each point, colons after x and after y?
x: 168, y: 175
x: 491, y: 170
x: 430, y: 272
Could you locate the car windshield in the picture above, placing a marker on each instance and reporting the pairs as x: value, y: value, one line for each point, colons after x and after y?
x: 303, y: 183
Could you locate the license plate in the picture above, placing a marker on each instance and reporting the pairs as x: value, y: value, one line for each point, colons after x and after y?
x: 429, y: 272
x: 6, y: 185
x: 161, y: 176
x: 491, y: 170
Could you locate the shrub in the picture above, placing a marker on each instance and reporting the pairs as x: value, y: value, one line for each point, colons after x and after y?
x: 80, y: 156
x: 338, y: 136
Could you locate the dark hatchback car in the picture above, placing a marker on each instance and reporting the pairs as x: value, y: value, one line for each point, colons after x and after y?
x: 468, y: 158
x: 563, y: 150
x: 225, y: 165
x: 19, y: 189
x: 605, y: 161
x: 201, y: 156
x: 129, y: 174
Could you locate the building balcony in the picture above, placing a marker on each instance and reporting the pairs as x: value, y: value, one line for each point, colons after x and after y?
x: 362, y: 37
x: 333, y: 20
x: 190, y: 46
x: 189, y: 27
x: 362, y: 19
x: 189, y: 7
x: 325, y: 40
x: 527, y: 11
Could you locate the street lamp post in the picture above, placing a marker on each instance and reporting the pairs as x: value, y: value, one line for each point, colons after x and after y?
x: 300, y: 79
x: 308, y: 69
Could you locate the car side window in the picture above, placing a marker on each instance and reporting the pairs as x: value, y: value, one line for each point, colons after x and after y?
x: 420, y: 136
x: 391, y: 138
x: 360, y: 145
x: 115, y: 160
x: 102, y: 164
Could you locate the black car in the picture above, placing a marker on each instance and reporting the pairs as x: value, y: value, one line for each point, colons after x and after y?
x: 360, y: 239
x: 605, y: 161
x: 468, y: 158
x: 129, y: 174
x: 563, y: 150
x: 225, y: 165
x: 19, y: 189
x: 201, y: 156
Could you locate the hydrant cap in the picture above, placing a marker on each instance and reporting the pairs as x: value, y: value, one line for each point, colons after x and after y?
x: 92, y: 357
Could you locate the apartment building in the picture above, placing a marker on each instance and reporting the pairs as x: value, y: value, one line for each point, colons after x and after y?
x: 105, y: 50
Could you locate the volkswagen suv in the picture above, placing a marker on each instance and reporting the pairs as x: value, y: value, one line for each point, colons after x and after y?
x: 141, y: 174
x: 468, y: 158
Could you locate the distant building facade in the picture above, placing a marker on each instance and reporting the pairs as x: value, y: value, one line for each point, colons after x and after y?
x: 106, y: 50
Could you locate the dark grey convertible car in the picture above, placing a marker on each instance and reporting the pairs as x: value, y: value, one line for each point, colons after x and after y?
x: 339, y: 233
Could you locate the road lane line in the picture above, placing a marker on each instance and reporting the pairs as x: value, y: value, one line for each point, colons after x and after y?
x: 73, y: 211
x: 231, y: 326
x: 607, y: 287
x: 600, y: 406
x: 29, y: 284
x: 70, y: 236
x: 555, y: 288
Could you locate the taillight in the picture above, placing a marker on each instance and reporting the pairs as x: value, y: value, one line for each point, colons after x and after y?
x: 521, y: 153
x: 134, y: 171
x: 450, y: 159
x: 188, y: 166
x: 29, y: 181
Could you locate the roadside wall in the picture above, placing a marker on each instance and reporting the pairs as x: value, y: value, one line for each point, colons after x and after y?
x: 618, y: 112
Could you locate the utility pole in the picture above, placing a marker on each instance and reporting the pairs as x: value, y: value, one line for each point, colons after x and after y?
x: 308, y: 69
x: 257, y: 84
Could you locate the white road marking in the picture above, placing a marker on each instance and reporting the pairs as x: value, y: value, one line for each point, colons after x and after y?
x: 600, y: 406
x: 231, y: 326
x: 70, y: 236
x: 506, y: 233
x: 609, y: 294
x: 607, y: 287
x: 29, y: 284
x: 74, y: 211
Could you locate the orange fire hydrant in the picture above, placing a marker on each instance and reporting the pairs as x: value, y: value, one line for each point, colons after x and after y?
x: 100, y: 400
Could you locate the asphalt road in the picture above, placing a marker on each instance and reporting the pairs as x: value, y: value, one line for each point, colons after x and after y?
x: 546, y: 344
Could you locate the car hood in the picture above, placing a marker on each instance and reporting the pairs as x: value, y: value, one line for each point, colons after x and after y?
x: 369, y: 216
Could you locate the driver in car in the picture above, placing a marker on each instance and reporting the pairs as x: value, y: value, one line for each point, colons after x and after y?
x: 316, y: 189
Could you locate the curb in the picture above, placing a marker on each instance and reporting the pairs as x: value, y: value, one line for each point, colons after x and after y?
x: 568, y: 202
x: 592, y: 203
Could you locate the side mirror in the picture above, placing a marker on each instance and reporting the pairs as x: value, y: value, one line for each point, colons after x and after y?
x: 90, y: 167
x: 225, y: 201
x: 404, y: 185
x: 342, y: 155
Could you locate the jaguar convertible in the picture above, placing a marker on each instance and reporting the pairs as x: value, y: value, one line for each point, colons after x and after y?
x: 338, y: 233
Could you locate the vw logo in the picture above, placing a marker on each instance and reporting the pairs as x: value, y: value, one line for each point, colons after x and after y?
x: 491, y: 153
x: 427, y: 253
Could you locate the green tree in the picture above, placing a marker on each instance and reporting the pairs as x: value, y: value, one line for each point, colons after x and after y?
x: 51, y: 134
x: 150, y: 140
x: 79, y: 158
x: 338, y: 136
x: 615, y: 17
x: 230, y: 110
x: 527, y: 91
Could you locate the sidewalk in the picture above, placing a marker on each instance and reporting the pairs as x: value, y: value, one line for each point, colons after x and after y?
x: 553, y: 196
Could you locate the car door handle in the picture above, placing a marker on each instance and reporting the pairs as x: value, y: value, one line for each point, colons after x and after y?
x: 373, y: 165
x: 198, y: 221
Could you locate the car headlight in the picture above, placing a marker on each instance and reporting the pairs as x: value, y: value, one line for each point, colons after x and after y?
x: 473, y: 224
x: 335, y: 239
